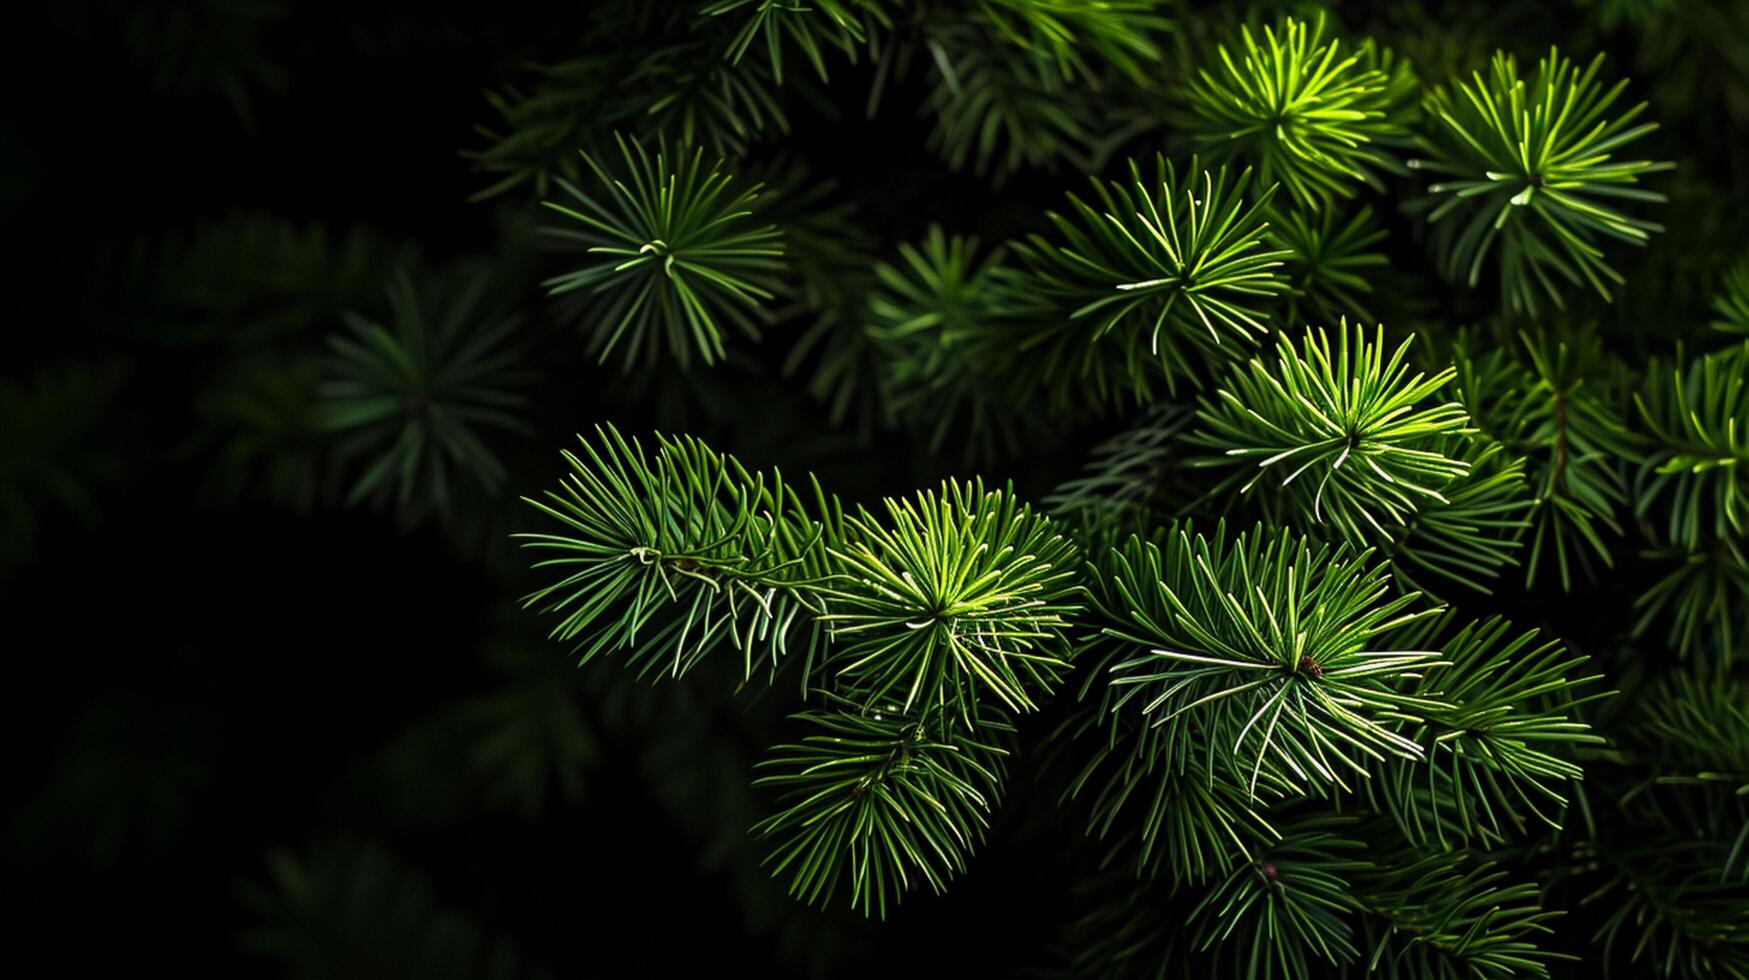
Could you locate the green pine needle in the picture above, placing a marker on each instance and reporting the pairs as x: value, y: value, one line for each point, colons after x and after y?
x: 1331, y: 262
x: 1277, y: 649
x: 666, y: 557
x: 1530, y: 165
x: 1162, y: 274
x: 674, y: 256
x: 1697, y: 475
x: 1500, y: 748
x: 1299, y: 109
x: 874, y: 805
x: 1732, y: 302
x: 952, y: 597
x: 812, y: 27
x: 1338, y: 436
x: 425, y: 399
x: 1289, y: 907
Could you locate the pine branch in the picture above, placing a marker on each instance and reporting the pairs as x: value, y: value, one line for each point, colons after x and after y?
x: 1336, y: 436
x: 873, y: 805
x: 1471, y: 537
x: 1499, y: 745
x: 1697, y: 471
x: 1555, y: 402
x: 1160, y: 276
x: 1303, y: 113
x: 1430, y: 919
x: 1530, y: 164
x: 667, y: 557
x: 1164, y: 813
x: 1278, y: 650
x: 998, y: 111
x: 1119, y: 33
x: 1732, y: 301
x: 1329, y: 264
x: 942, y: 324
x: 813, y: 27
x: 673, y: 256
x: 1289, y: 907
x: 1689, y: 739
x: 950, y: 598
x: 423, y: 401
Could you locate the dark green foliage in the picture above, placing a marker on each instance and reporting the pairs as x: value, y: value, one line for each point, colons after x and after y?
x: 1160, y: 276
x: 1474, y: 532
x: 267, y: 413
x: 51, y: 454
x: 1194, y: 822
x: 1388, y: 619
x: 1669, y: 913
x: 1269, y: 647
x: 1702, y: 600
x: 873, y: 805
x: 996, y: 113
x: 1732, y: 303
x: 665, y: 556
x: 1330, y: 263
x: 1306, y: 113
x: 1431, y: 919
x: 1500, y: 748
x: 1699, y: 419
x: 1293, y: 761
x: 1689, y: 52
x: 685, y: 89
x: 948, y: 598
x: 1691, y: 492
x: 416, y: 406
x: 1336, y: 436
x: 197, y: 49
x: 385, y: 913
x: 1129, y: 479
x: 529, y: 741
x: 1287, y: 907
x: 692, y: 94
x: 942, y: 326
x: 1530, y: 165
x: 251, y: 279
x: 831, y: 256
x: 811, y: 27
x: 125, y: 795
x: 1077, y: 34
x: 543, y: 127
x: 1554, y: 400
x: 674, y: 256
x: 1692, y: 739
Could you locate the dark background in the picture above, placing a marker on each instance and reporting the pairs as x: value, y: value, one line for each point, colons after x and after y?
x: 250, y: 734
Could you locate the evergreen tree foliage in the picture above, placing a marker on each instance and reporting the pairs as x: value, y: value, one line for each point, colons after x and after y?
x: 1256, y: 708
x: 1556, y: 400
x: 1107, y: 488
x: 1329, y: 262
x: 665, y: 556
x: 1336, y: 435
x: 420, y: 401
x: 673, y: 255
x: 1305, y: 112
x: 873, y: 804
x: 1531, y: 163
x: 951, y: 597
x: 1159, y: 274
x: 1732, y: 303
